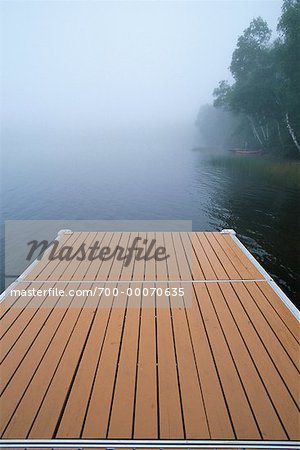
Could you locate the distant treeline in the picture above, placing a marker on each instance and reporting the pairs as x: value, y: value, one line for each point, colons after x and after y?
x: 261, y: 108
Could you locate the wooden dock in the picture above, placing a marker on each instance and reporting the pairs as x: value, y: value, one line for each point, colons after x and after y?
x: 220, y: 362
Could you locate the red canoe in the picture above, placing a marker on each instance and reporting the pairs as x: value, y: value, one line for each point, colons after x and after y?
x: 246, y: 152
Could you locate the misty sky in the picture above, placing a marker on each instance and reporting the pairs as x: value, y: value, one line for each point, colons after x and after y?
x: 95, y: 63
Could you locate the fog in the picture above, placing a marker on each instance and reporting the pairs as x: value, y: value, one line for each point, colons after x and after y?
x: 96, y: 64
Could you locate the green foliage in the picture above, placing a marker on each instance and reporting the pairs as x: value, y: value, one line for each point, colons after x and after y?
x: 266, y: 88
x: 289, y: 60
x: 251, y: 49
x: 222, y: 128
x: 267, y: 169
x: 222, y: 94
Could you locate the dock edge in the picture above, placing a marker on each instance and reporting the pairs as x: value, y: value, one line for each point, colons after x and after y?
x: 265, y: 274
x: 21, y: 277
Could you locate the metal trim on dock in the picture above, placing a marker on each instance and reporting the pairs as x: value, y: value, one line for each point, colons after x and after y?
x: 265, y: 274
x: 110, y: 444
x: 21, y: 278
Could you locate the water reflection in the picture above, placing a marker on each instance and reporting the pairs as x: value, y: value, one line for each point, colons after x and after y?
x: 265, y: 215
x: 151, y: 174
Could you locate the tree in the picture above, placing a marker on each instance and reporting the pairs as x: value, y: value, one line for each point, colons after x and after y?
x: 251, y: 49
x: 251, y: 67
x: 289, y: 66
x: 266, y: 87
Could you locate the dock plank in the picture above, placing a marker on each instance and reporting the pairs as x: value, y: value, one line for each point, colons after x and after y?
x: 98, y: 414
x: 146, y: 384
x: 281, y: 309
x: 122, y: 410
x: 195, y: 268
x: 222, y: 256
x: 263, y: 410
x: 73, y: 415
x: 219, y: 421
x: 16, y: 344
x: 52, y: 405
x: 219, y: 270
x: 254, y: 272
x: 15, y: 306
x: 201, y: 257
x: 243, y: 271
x: 41, y: 264
x: 268, y: 326
x: 170, y: 413
x: 239, y: 409
x: 220, y: 362
x: 97, y: 417
x: 282, y: 400
x: 194, y: 413
x: 51, y: 269
x: 169, y: 397
x: 21, y: 399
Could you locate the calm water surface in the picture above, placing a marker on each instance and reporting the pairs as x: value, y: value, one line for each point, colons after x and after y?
x: 151, y: 174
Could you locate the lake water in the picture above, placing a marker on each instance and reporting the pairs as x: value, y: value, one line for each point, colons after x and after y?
x: 151, y: 174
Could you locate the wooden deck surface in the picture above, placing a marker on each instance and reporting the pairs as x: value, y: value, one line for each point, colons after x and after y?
x: 221, y: 364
